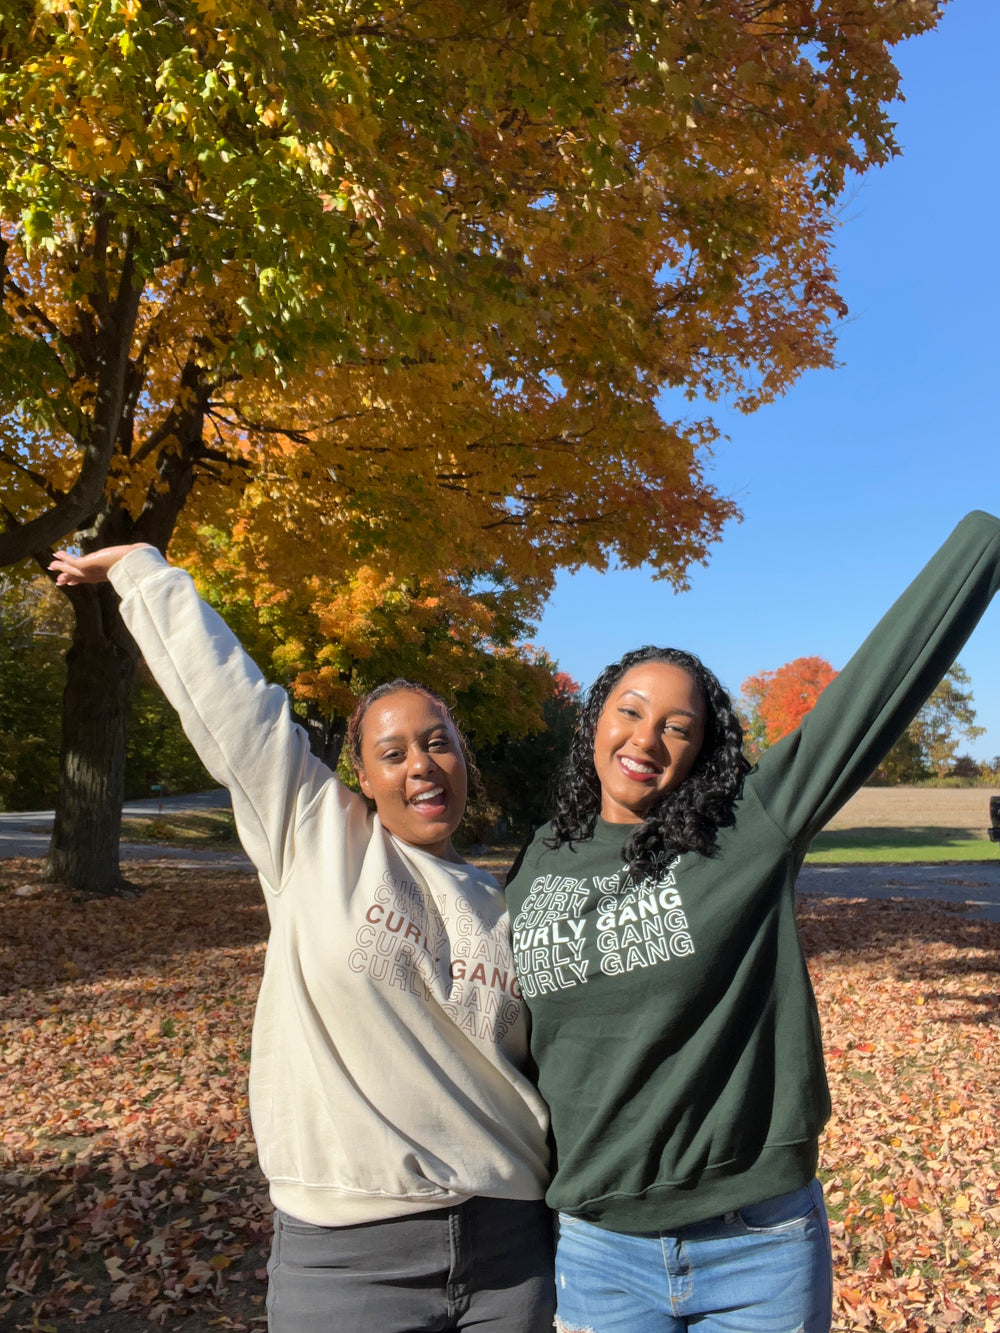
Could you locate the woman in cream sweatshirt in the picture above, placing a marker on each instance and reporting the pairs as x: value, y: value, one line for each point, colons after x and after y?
x: 404, y: 1146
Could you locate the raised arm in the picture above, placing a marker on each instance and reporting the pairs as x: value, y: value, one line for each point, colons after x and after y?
x: 96, y: 567
x: 805, y: 779
x: 240, y: 725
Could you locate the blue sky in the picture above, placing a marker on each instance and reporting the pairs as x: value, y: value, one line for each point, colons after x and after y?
x: 851, y: 481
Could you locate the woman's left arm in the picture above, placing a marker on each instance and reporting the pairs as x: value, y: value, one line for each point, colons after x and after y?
x: 805, y: 779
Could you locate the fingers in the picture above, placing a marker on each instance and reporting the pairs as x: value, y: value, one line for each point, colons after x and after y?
x: 66, y: 569
x: 94, y: 567
x: 72, y: 570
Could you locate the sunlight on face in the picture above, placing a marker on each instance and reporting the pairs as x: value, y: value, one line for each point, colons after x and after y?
x: 648, y: 737
x: 412, y: 767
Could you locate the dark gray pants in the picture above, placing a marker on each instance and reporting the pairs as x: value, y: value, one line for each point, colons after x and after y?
x: 486, y: 1264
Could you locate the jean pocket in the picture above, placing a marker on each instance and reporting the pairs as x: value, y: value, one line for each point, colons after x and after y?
x: 295, y: 1227
x: 784, y: 1212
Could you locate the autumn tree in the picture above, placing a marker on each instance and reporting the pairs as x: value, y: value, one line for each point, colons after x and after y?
x: 965, y: 766
x: 329, y: 642
x: 157, y: 753
x: 905, y: 764
x: 776, y: 701
x: 946, y: 718
x: 35, y: 632
x: 399, y: 287
x: 931, y: 741
x: 520, y: 771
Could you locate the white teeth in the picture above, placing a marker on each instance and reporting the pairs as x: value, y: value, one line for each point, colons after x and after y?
x: 427, y: 795
x: 634, y: 766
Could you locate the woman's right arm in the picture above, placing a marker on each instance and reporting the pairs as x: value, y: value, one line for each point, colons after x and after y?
x: 72, y: 570
x: 240, y: 725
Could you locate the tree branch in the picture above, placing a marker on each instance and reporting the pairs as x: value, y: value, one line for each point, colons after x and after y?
x: 39, y: 479
x: 116, y: 323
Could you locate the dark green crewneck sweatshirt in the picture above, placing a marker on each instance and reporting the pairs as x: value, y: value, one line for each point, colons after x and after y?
x: 673, y: 1022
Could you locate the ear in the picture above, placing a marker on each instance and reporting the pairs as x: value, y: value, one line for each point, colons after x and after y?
x: 364, y: 783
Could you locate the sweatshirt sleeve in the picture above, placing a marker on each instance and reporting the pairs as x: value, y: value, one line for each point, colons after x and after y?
x: 241, y: 726
x: 805, y: 779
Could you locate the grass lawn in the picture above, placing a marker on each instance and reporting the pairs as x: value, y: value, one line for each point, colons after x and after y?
x: 888, y: 824
x: 902, y: 824
x: 833, y: 846
x: 847, y: 846
x: 850, y: 846
x: 202, y: 828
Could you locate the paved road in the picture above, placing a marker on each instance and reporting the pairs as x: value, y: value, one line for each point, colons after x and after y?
x: 27, y: 834
x: 975, y: 883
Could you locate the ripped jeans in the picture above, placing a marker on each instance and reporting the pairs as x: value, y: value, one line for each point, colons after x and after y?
x: 763, y: 1269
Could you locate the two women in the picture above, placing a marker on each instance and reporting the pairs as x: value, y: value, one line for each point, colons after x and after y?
x: 405, y: 1148
x: 673, y: 1024
x: 672, y: 1019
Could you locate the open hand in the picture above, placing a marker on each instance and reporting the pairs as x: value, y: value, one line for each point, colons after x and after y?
x: 71, y: 569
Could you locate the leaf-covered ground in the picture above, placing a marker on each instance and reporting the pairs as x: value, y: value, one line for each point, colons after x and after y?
x: 129, y: 1191
x: 909, y: 993
x: 128, y: 1179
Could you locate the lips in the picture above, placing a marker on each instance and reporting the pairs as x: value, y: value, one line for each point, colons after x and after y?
x: 431, y: 803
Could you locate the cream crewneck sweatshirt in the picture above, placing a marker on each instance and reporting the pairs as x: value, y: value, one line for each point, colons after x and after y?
x: 389, y: 1037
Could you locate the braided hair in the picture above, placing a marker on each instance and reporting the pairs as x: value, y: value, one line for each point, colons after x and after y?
x: 355, y: 721
x: 686, y: 819
x: 381, y: 692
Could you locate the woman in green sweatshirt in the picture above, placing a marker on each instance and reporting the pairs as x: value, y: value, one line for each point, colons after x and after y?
x: 672, y: 1019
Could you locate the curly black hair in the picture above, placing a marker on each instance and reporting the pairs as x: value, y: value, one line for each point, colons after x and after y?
x: 686, y: 819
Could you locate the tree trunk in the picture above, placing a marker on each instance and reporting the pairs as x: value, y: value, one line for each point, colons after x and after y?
x: 100, y: 672
x: 326, y: 734
x: 100, y: 668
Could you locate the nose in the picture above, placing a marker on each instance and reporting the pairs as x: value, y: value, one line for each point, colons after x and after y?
x: 646, y: 736
x: 421, y: 761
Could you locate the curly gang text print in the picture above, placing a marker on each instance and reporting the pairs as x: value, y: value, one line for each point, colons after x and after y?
x: 441, y: 951
x: 568, y: 929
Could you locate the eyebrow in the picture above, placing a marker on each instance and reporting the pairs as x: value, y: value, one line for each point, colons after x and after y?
x: 439, y: 727
x: 684, y: 712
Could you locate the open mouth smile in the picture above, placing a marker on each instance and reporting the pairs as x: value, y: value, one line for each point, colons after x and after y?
x: 638, y: 769
x: 430, y: 803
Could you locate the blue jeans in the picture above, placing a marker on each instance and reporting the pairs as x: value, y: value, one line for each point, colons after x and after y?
x: 763, y: 1269
x: 485, y: 1264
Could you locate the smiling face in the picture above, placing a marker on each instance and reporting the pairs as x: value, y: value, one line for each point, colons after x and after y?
x: 648, y: 736
x: 412, y: 767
